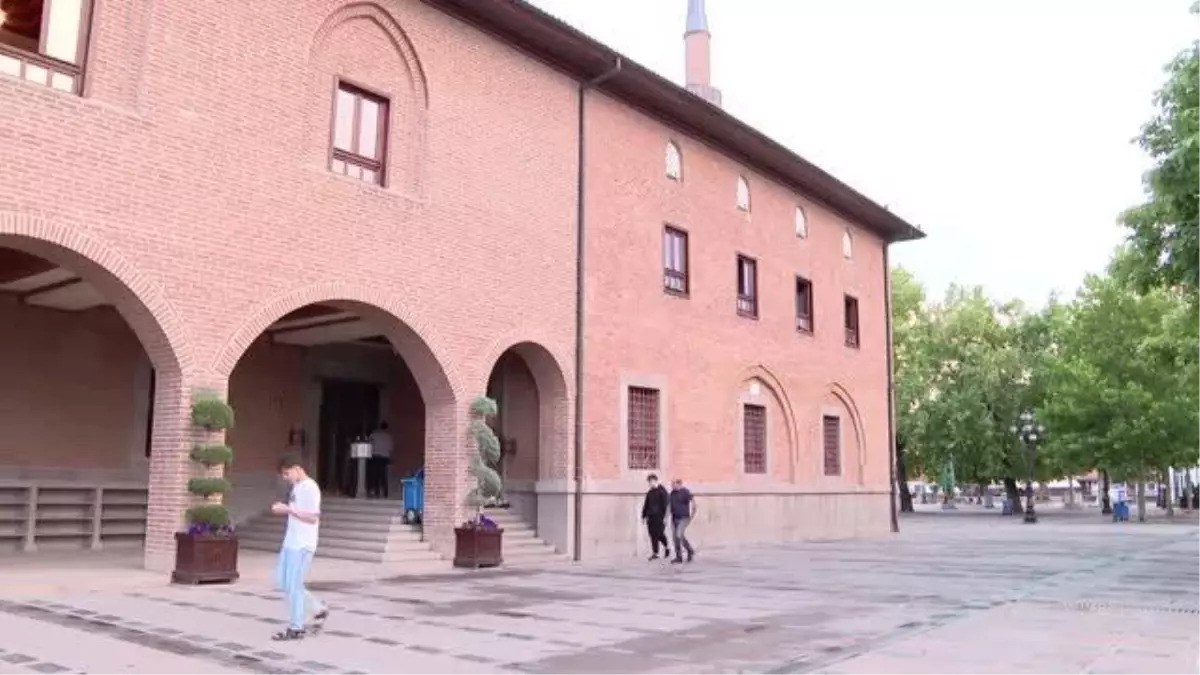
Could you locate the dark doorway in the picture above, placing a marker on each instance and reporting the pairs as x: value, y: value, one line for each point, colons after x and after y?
x: 349, y: 410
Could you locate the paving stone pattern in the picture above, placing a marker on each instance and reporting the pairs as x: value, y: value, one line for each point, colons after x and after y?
x: 982, y: 594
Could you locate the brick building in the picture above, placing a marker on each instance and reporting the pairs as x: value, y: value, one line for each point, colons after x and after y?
x: 340, y: 212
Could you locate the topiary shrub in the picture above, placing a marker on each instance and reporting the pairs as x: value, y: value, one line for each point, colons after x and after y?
x: 207, y: 486
x: 211, y: 413
x: 488, y: 484
x: 212, y: 455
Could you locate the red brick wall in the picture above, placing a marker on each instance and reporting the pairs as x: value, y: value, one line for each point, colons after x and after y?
x: 194, y: 168
x: 699, y: 344
x: 68, y: 389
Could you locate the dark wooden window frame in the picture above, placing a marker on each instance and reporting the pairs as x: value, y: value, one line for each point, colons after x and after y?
x: 804, y: 306
x: 75, y: 70
x: 682, y: 277
x: 831, y: 444
x: 851, y: 321
x: 754, y: 439
x: 639, y: 447
x: 747, y: 304
x: 379, y: 165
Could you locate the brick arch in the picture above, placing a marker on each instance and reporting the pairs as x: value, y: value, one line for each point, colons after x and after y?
x: 134, y: 295
x: 839, y: 392
x: 765, y: 375
x: 554, y: 401
x: 409, y: 334
x: 384, y: 19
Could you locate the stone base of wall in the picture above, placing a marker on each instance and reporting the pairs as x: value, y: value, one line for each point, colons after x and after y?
x: 728, y: 515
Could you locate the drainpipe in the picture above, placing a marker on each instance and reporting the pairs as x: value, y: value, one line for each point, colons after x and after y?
x: 580, y: 190
x: 891, y: 384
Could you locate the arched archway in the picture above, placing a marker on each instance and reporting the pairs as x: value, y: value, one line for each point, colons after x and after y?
x: 534, y: 428
x: 317, y: 368
x: 92, y: 400
x: 839, y: 404
x: 758, y: 386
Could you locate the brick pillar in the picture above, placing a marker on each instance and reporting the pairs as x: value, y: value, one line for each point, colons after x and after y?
x: 172, y: 439
x: 447, y: 472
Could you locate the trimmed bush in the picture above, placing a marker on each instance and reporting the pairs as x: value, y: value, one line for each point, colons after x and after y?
x: 212, y: 414
x: 209, y: 516
x: 209, y: 486
x: 212, y: 455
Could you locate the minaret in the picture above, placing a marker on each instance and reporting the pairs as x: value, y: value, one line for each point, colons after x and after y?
x: 697, y: 48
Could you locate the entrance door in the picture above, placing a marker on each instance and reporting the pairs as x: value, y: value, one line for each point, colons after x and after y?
x: 349, y: 410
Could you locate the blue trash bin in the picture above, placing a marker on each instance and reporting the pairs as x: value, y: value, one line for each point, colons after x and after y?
x: 413, y: 489
x: 1120, y: 512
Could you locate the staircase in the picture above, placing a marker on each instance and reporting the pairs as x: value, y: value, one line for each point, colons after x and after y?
x: 351, y: 529
x: 520, y: 543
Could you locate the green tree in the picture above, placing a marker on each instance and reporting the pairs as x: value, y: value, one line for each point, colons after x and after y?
x: 1164, y: 230
x: 1124, y: 390
x: 910, y: 338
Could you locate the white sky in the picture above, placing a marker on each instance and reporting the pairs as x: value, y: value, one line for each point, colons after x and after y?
x: 1002, y: 129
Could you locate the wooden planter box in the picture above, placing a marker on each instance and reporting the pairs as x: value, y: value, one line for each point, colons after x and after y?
x: 204, y: 559
x: 477, y: 547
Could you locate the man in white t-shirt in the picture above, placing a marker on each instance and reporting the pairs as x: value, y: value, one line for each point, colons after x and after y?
x: 303, y: 512
x: 377, y: 466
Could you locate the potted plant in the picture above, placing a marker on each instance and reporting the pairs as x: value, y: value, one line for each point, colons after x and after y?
x: 207, y: 551
x: 477, y: 543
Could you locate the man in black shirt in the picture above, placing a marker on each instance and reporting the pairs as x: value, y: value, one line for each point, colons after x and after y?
x: 654, y: 514
x: 683, y: 509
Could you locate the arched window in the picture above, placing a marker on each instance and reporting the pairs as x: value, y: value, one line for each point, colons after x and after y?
x: 743, y: 194
x: 801, y: 224
x: 674, y: 162
x: 847, y: 245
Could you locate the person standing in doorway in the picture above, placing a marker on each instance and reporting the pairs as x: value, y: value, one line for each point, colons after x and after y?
x: 683, y: 509
x: 303, y: 512
x: 377, y: 466
x: 654, y: 514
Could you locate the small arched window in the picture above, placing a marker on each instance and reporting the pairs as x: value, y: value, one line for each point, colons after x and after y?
x: 743, y: 194
x: 801, y: 224
x: 847, y: 245
x: 674, y: 161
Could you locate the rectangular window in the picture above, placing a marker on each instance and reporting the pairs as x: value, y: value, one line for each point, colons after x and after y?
x: 832, y: 436
x: 851, y: 322
x: 747, y: 288
x: 675, y: 261
x: 43, y: 41
x: 754, y: 438
x: 359, y: 134
x: 804, y: 305
x: 643, y: 428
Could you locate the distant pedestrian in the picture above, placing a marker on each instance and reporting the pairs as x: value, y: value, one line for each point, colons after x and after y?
x: 683, y: 509
x: 377, y: 465
x: 654, y: 514
x: 303, y: 512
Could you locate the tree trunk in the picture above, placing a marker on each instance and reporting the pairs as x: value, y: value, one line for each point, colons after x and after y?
x: 1013, y: 493
x: 1105, y: 502
x: 906, y: 502
x: 1141, y: 500
x: 1168, y: 492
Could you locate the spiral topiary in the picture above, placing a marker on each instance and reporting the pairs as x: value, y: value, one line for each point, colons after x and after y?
x: 488, y: 484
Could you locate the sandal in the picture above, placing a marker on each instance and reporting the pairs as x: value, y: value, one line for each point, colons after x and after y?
x: 289, y: 634
x: 318, y: 621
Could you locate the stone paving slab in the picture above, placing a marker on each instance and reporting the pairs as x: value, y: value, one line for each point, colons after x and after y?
x: 960, y: 594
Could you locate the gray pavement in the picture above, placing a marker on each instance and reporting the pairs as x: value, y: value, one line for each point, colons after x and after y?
x: 959, y: 594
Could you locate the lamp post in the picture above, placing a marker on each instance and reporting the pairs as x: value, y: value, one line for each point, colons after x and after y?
x: 1030, y: 434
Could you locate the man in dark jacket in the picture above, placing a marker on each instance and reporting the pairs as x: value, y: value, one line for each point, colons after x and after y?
x: 654, y: 514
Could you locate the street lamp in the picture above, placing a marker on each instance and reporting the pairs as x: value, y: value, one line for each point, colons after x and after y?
x: 1030, y: 434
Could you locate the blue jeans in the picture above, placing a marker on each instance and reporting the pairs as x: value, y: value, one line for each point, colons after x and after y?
x: 290, y: 572
x: 679, y: 534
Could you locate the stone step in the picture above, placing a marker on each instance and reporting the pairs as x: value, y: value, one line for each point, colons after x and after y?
x: 389, y: 506
x: 522, y: 543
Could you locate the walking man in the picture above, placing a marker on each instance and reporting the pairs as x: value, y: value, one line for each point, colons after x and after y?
x: 683, y: 509
x: 377, y: 466
x: 303, y: 512
x: 654, y: 514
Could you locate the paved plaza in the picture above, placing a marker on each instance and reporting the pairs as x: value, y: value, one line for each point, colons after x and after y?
x: 958, y: 593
